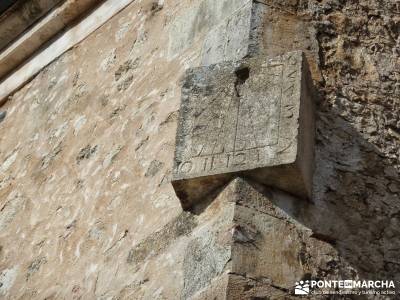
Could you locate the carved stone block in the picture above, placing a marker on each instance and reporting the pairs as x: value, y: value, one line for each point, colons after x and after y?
x: 253, y: 118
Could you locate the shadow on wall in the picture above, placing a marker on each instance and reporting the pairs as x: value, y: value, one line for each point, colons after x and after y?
x: 356, y: 201
x: 355, y: 205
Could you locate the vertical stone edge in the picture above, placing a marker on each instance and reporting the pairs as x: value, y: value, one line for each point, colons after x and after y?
x: 255, y: 34
x: 306, y: 152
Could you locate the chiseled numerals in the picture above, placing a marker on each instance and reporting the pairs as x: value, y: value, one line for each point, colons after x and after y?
x: 218, y: 161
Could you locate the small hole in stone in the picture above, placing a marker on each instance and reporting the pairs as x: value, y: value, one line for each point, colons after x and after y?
x: 242, y: 74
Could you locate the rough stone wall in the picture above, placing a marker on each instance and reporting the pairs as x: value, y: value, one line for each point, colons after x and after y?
x: 357, y: 187
x: 86, y: 207
x: 86, y: 152
x: 354, y: 46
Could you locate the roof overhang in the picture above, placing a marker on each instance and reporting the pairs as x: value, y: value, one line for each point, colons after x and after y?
x: 17, y: 16
x: 67, y: 23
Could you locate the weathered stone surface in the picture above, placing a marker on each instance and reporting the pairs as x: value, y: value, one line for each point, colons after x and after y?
x: 254, y: 117
x: 224, y: 26
x: 246, y: 247
x: 278, y: 31
x: 230, y: 39
x: 7, y: 278
x: 232, y: 30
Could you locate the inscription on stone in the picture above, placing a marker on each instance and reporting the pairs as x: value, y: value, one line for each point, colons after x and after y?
x: 250, y: 118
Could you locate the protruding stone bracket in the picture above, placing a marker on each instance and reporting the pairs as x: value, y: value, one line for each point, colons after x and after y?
x: 252, y: 118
